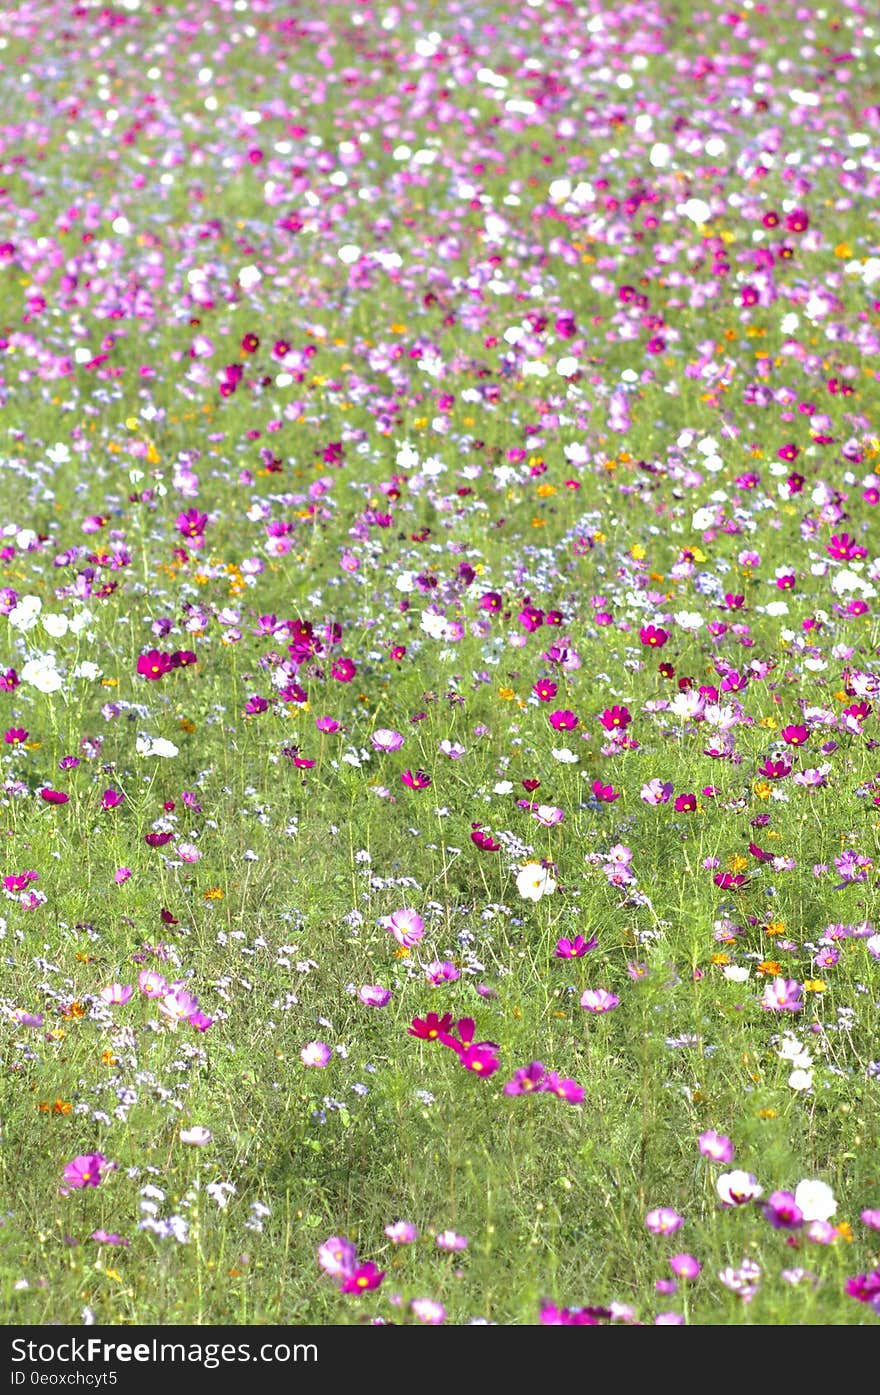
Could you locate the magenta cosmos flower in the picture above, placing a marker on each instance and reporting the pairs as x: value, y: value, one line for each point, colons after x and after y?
x: 87, y: 1170
x: 430, y: 1027
x: 364, y: 1278
x: 599, y: 1000
x: 574, y: 949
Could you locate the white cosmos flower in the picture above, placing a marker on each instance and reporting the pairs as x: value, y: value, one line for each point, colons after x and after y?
x: 736, y: 973
x: 434, y: 626
x: 88, y: 670
x: 197, y: 1135
x: 534, y: 881
x: 815, y: 1199
x: 80, y: 622
x: 25, y: 615
x: 249, y: 276
x: 801, y: 1080
x: 56, y: 625
x: 155, y: 746
x: 565, y: 756
x: 41, y: 673
x: 688, y: 619
x: 697, y: 210
x: 738, y: 1187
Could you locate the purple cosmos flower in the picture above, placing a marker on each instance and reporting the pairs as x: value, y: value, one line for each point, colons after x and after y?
x: 441, y: 971
x: 527, y: 1080
x: 373, y: 995
x: 108, y: 1237
x: 782, y: 1211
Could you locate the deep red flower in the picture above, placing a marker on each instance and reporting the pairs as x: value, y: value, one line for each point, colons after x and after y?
x: 54, y: 796
x: 154, y: 664
x: 429, y: 1027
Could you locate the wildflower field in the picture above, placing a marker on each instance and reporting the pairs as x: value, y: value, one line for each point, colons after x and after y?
x: 439, y: 569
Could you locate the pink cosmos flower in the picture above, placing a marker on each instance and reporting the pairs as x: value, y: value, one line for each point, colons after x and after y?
x: 428, y: 1310
x: 450, y: 1241
x: 606, y: 794
x: 152, y: 984
x: 663, y: 1220
x: 657, y: 791
x: 402, y: 1232
x: 599, y: 1000
x: 406, y: 925
x: 315, y: 1053
x: 782, y: 995
x: 337, y: 1257
x: 116, y: 994
x: 716, y: 1146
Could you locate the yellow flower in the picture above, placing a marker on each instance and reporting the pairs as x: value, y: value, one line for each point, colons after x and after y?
x: 762, y: 789
x: 767, y: 1114
x: 815, y: 985
x: 769, y: 966
x: 506, y: 694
